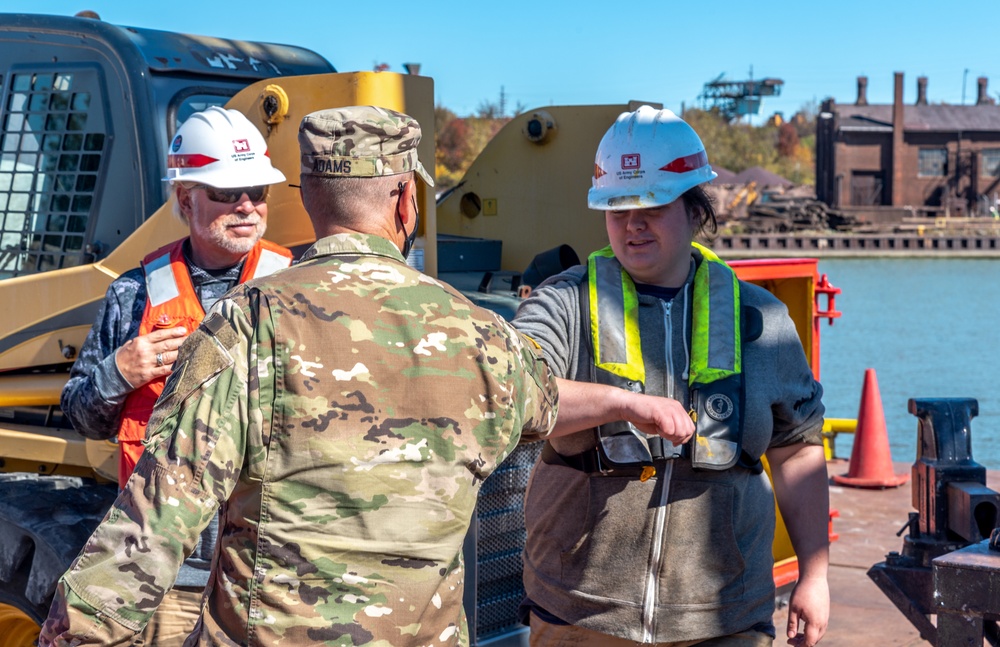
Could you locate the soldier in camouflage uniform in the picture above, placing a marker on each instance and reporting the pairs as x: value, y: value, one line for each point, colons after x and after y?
x: 342, y: 412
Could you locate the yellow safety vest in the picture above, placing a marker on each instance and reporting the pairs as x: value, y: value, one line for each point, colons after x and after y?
x: 715, y: 372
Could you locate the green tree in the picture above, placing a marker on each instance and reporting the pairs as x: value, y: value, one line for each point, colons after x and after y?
x: 734, y: 146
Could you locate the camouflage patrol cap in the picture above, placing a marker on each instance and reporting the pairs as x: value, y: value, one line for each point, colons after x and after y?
x: 360, y: 141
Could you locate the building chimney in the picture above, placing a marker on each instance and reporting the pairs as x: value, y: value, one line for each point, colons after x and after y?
x: 862, y: 91
x: 921, y: 91
x: 984, y: 98
x: 897, y: 141
x: 826, y: 164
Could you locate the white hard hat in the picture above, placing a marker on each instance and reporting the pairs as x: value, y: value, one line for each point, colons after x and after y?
x: 220, y: 148
x: 648, y: 158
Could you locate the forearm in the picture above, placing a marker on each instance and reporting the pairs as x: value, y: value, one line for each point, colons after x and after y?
x: 584, y: 405
x: 131, y: 560
x: 93, y: 398
x: 95, y: 394
x: 800, y: 486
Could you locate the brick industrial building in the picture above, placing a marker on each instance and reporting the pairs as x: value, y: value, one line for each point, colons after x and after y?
x: 917, y: 159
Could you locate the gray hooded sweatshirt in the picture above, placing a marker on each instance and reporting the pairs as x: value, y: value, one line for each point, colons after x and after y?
x: 685, y: 555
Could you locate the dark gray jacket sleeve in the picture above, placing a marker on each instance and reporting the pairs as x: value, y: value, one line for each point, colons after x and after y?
x: 796, y: 396
x: 95, y: 394
x: 551, y: 316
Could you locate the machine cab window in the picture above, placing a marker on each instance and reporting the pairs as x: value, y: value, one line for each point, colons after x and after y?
x: 52, y: 143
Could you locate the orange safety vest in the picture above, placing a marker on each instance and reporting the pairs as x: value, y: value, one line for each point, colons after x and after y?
x: 171, y: 301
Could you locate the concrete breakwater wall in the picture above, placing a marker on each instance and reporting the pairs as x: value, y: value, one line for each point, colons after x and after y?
x: 846, y: 245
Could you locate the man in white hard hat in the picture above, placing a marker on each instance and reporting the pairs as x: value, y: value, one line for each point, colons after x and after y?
x: 219, y: 172
x: 666, y: 539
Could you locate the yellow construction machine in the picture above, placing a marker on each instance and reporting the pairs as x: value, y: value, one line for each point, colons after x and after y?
x: 86, y: 111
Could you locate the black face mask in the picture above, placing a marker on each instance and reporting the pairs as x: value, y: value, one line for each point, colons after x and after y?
x: 408, y: 244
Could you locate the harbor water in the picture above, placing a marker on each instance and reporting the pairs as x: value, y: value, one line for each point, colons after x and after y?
x: 929, y: 328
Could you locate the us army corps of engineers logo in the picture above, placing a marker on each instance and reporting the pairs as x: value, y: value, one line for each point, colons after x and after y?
x: 631, y: 167
x: 719, y: 407
x: 241, y: 150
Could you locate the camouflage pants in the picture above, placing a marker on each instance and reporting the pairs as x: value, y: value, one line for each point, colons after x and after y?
x: 544, y: 634
x: 173, y: 621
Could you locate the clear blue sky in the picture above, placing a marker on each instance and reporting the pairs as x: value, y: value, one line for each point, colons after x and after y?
x: 558, y: 53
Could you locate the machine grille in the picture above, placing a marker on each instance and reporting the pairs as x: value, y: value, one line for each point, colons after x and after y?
x: 499, y: 540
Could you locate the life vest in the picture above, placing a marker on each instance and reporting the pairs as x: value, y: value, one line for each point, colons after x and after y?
x: 715, y: 379
x: 171, y: 301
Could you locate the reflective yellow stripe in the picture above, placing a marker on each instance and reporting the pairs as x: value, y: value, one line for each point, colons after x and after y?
x: 618, y: 304
x: 716, y: 351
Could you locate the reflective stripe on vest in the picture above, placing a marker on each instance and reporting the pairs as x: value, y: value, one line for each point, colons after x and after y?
x: 171, y: 301
x: 271, y: 260
x: 715, y: 336
x: 617, y: 310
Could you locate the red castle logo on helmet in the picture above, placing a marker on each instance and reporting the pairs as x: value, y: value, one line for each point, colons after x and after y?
x: 241, y: 145
x: 630, y: 161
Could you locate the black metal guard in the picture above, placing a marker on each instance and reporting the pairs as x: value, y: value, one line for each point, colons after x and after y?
x: 955, y: 510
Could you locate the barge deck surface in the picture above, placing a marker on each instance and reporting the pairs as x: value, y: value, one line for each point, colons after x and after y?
x: 860, y: 614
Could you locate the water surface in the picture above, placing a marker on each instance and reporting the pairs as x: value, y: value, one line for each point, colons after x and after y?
x: 929, y: 329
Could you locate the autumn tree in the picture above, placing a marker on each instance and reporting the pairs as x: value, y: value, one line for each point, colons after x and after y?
x: 797, y: 152
x: 787, y: 149
x: 460, y: 140
x: 734, y: 146
x: 788, y: 140
x: 449, y: 147
x: 737, y: 146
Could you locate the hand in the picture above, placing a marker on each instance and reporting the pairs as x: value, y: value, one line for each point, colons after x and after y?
x: 137, y: 358
x: 808, y: 604
x: 658, y: 416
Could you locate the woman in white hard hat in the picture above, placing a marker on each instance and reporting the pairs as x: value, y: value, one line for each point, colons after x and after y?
x: 653, y: 524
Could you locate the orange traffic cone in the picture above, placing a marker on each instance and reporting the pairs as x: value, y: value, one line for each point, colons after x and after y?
x: 871, y: 461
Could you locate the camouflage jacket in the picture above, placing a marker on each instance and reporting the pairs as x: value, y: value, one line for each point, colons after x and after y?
x: 344, y: 412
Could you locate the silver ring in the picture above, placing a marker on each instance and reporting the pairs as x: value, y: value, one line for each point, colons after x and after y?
x: 159, y: 359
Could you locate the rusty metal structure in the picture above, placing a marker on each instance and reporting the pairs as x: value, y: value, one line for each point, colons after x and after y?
x: 735, y: 99
x: 948, y: 567
x: 916, y: 159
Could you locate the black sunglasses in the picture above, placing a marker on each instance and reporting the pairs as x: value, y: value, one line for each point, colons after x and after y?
x: 232, y: 196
